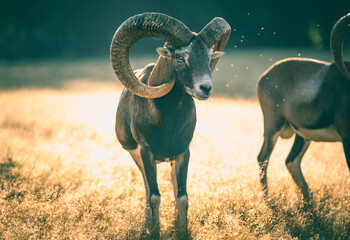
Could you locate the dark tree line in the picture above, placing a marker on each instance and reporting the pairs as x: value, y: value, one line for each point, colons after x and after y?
x: 73, y: 28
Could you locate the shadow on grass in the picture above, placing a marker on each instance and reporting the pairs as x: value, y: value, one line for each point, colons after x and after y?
x: 8, y: 177
x: 311, y: 219
x: 14, y: 186
x: 6, y: 169
x: 141, y: 233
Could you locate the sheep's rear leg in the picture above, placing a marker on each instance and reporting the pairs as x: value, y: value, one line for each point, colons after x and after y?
x: 293, y: 164
x: 263, y: 159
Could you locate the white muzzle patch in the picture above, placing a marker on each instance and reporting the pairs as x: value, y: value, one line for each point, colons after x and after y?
x: 202, y: 87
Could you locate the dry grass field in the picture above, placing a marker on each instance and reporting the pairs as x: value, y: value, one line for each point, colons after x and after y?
x: 63, y: 175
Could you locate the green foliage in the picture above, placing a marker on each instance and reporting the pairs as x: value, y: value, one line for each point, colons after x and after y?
x: 315, y: 35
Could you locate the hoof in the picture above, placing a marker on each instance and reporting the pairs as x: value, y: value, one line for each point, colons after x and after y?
x: 307, y: 195
x: 182, y: 207
x: 152, y: 214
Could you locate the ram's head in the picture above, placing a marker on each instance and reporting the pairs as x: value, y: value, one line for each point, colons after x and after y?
x: 189, y: 57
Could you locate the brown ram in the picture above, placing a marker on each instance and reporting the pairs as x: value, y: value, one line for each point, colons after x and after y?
x: 156, y: 115
x: 309, y: 98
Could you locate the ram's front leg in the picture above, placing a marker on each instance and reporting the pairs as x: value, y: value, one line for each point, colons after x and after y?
x: 153, y: 198
x: 179, y: 179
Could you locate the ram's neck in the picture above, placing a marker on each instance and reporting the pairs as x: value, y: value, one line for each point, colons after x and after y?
x: 161, y: 72
x: 176, y: 99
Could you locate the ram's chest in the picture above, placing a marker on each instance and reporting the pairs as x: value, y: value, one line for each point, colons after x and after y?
x: 165, y: 126
x: 171, y: 136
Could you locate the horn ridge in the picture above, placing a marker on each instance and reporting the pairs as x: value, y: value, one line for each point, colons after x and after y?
x: 133, y: 29
x: 216, y: 34
x: 340, y: 30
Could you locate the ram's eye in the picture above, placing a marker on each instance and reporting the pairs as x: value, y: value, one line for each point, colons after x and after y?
x: 180, y: 59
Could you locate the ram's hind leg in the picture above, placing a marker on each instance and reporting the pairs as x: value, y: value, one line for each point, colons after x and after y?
x: 263, y: 160
x: 179, y: 179
x: 273, y: 126
x: 293, y: 164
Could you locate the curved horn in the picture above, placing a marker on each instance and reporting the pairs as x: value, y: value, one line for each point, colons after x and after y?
x: 216, y: 34
x: 339, y: 32
x: 143, y: 25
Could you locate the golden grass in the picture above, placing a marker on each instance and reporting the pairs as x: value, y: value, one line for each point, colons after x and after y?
x: 64, y: 176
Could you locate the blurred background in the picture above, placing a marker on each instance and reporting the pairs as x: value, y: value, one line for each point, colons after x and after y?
x: 48, y: 43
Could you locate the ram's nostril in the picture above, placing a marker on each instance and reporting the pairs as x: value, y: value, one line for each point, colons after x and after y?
x: 205, y: 88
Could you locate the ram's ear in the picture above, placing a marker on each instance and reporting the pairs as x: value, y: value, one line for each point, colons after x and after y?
x: 217, y: 54
x: 164, y: 52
